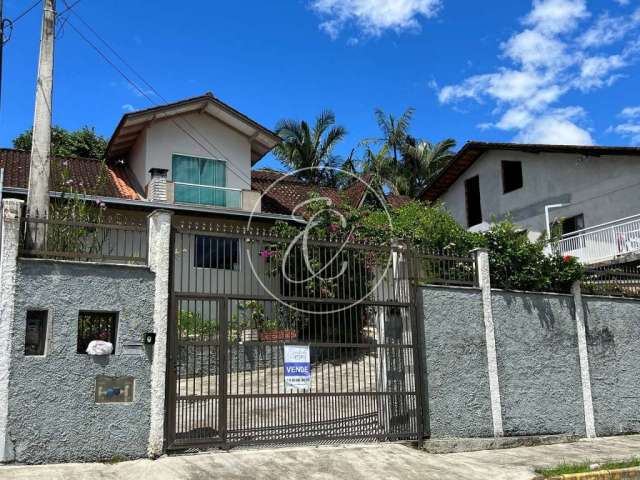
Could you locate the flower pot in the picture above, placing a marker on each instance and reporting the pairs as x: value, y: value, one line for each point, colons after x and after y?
x: 277, y: 335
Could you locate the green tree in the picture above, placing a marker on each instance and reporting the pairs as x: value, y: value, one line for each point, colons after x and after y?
x: 306, y: 146
x: 394, y: 130
x: 84, y: 142
x: 380, y: 168
x: 421, y: 161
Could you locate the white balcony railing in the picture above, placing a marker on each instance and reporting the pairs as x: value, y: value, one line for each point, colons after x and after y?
x: 603, y: 242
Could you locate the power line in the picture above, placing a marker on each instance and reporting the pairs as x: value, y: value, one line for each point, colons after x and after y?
x: 26, y: 12
x: 153, y: 90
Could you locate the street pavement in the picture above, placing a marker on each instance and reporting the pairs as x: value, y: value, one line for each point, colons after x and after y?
x: 351, y: 462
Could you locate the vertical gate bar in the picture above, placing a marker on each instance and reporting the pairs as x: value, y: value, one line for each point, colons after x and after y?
x: 171, y: 403
x: 222, y: 370
x: 417, y: 342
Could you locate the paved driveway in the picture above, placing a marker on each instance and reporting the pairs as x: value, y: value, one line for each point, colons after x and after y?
x: 368, y: 462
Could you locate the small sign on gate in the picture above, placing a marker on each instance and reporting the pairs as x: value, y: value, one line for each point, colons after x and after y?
x: 297, y: 367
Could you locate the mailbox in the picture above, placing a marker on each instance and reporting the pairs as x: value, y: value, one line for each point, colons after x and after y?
x: 114, y: 389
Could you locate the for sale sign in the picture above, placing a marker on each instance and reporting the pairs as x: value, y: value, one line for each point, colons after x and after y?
x: 297, y: 367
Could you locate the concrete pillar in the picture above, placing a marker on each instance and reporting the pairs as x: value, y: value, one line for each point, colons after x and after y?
x: 583, y: 355
x: 484, y: 282
x: 159, y: 258
x: 11, y: 212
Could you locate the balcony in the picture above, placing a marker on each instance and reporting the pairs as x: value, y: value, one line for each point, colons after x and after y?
x: 603, y: 243
x: 234, y: 198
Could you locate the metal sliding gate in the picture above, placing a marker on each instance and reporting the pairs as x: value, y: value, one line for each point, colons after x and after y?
x: 240, y: 299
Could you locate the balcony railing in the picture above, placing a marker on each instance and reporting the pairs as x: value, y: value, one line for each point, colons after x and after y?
x: 603, y: 242
x: 207, y: 195
x: 113, y: 240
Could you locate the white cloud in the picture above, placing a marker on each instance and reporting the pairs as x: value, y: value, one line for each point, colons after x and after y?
x: 630, y: 112
x: 556, y: 16
x: 609, y: 30
x: 557, y: 50
x: 127, y: 107
x: 533, y: 48
x: 373, y: 17
x: 628, y: 130
x: 515, y: 119
x: 557, y: 126
x: 595, y: 71
x: 552, y: 130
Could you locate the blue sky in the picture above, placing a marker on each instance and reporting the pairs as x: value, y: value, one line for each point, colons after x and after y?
x: 551, y: 71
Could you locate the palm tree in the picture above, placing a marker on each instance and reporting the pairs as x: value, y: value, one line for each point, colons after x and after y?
x: 304, y: 146
x: 394, y: 130
x: 380, y: 168
x: 421, y: 161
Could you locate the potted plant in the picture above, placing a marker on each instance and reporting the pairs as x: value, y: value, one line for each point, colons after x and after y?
x: 271, y: 331
x: 252, y: 315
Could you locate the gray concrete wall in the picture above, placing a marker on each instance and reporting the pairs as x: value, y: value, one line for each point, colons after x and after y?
x: 613, y: 343
x: 539, y: 372
x: 538, y: 364
x: 457, y: 381
x: 53, y: 416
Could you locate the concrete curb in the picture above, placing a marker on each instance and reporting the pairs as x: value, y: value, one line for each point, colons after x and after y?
x: 458, y: 445
x: 618, y: 474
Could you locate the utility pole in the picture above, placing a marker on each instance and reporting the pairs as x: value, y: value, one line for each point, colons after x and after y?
x: 1, y: 46
x: 38, y: 195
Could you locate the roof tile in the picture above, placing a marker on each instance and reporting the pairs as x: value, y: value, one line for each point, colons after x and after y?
x: 84, y: 172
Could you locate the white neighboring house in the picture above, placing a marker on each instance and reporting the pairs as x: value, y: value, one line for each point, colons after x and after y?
x: 593, y: 191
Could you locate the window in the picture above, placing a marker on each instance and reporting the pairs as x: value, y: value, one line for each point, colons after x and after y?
x: 216, y: 252
x: 96, y: 326
x: 572, y: 224
x: 511, y: 176
x: 196, y: 180
x: 472, y: 197
x: 35, y: 337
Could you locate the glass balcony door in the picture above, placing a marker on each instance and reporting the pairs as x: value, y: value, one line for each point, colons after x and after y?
x: 202, y: 181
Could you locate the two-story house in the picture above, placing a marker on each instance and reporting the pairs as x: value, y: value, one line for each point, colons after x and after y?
x: 593, y: 192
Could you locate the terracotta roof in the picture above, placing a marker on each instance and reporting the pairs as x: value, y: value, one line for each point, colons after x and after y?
x: 474, y: 150
x: 84, y: 172
x: 396, y: 201
x: 289, y: 192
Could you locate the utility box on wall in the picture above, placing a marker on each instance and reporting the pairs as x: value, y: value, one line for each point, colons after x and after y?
x: 114, y: 389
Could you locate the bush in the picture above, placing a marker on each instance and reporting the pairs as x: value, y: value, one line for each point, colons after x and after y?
x: 517, y: 263
x: 430, y: 227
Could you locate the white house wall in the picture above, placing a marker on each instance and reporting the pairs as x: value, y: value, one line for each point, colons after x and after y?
x: 156, y: 145
x: 603, y: 189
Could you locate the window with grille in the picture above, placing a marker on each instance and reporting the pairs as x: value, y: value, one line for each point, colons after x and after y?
x: 35, y: 337
x: 96, y: 326
x: 216, y: 252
